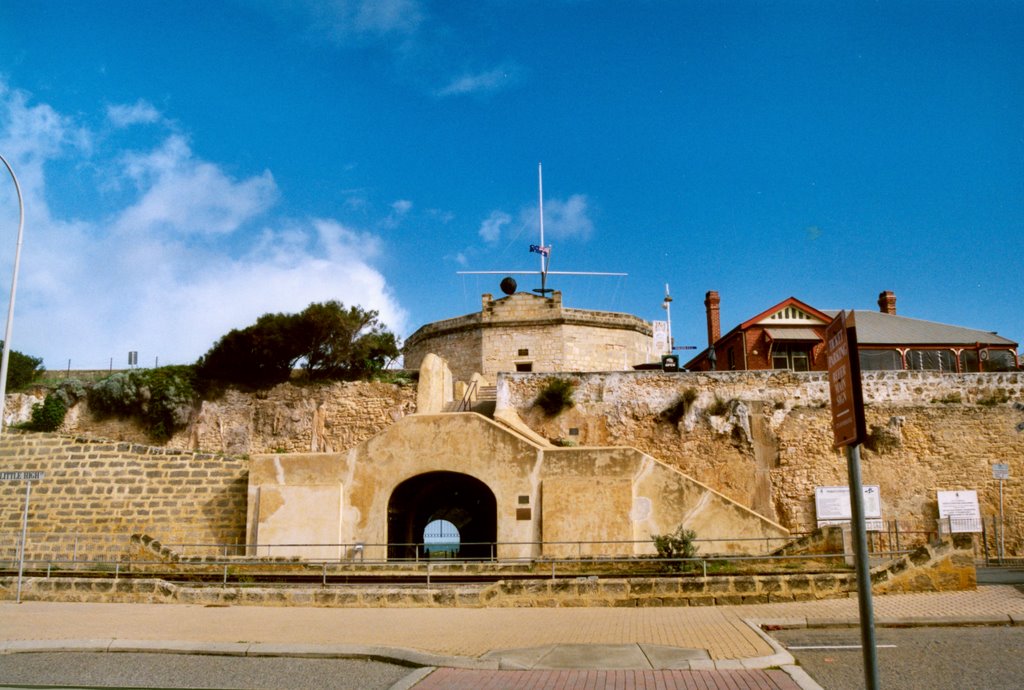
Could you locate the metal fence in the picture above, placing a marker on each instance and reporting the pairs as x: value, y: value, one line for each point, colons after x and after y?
x: 116, y: 552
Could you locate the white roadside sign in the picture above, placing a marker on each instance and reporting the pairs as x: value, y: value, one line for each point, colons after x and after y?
x: 832, y: 506
x: 960, y: 510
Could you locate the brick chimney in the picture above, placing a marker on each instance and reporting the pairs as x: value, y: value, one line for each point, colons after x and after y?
x: 714, y: 322
x: 887, y: 302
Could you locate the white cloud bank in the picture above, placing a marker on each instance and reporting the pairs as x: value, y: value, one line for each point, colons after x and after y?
x: 190, y: 253
x: 563, y: 219
x: 481, y: 82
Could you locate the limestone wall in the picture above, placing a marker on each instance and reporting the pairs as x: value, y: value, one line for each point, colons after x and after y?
x: 764, y: 438
x: 95, y: 494
x: 286, y: 418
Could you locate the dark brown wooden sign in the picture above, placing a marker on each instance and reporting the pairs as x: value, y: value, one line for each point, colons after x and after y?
x: 844, y: 388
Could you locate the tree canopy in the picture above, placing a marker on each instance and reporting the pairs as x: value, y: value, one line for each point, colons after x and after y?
x: 22, y: 369
x: 330, y: 341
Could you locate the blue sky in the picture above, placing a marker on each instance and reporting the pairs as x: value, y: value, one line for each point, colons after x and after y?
x: 189, y: 166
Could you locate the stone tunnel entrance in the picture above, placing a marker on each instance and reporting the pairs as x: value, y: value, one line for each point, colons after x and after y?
x: 462, y: 500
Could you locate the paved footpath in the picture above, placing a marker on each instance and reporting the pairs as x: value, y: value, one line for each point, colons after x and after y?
x: 620, y: 647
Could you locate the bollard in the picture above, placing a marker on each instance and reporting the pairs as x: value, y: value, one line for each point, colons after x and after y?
x: 225, y: 583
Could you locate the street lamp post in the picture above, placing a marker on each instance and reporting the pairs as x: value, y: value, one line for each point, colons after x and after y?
x: 667, y: 306
x: 14, y: 287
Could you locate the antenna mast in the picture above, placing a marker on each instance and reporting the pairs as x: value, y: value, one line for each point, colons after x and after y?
x: 544, y: 251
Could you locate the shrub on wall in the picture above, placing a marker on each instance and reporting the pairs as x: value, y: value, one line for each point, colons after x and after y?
x: 162, y: 398
x: 678, y: 409
x: 47, y: 415
x: 676, y: 544
x: 556, y: 396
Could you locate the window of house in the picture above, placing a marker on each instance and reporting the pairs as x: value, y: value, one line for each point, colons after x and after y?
x: 998, y: 360
x: 795, y: 357
x: 880, y: 360
x: 968, y: 361
x: 931, y: 360
x: 524, y: 352
x: 524, y: 366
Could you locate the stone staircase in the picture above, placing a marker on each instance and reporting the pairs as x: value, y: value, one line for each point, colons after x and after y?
x: 486, y: 401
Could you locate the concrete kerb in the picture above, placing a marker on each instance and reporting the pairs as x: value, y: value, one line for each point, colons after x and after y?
x: 780, y: 658
x: 393, y: 655
x: 763, y: 624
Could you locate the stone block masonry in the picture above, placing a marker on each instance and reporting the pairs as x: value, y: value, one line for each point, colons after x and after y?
x: 947, y: 566
x: 96, y: 493
x: 764, y: 439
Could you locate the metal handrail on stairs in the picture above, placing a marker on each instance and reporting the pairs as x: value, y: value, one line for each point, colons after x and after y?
x: 467, y: 399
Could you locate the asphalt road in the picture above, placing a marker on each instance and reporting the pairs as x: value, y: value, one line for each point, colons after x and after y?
x: 931, y: 658
x: 1007, y: 575
x: 109, y: 670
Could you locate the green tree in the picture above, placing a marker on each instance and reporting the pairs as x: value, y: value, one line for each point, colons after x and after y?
x: 343, y: 344
x: 22, y: 369
x: 261, y: 355
x: 333, y: 342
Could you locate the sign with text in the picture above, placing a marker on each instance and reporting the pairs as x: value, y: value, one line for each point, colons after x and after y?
x: 1000, y: 470
x: 832, y: 506
x: 959, y: 509
x: 21, y: 476
x: 848, y: 426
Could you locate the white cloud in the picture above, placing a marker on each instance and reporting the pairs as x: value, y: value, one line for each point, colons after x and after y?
x: 139, y: 113
x: 344, y: 21
x: 563, y: 219
x: 183, y: 194
x: 386, y: 16
x: 490, y: 229
x: 492, y: 80
x: 179, y: 264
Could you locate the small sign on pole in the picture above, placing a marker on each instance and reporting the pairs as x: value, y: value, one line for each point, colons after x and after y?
x: 1000, y: 470
x: 844, y: 388
x: 849, y: 431
x: 28, y: 478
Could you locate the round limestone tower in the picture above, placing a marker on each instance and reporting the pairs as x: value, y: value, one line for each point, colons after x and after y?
x: 526, y: 332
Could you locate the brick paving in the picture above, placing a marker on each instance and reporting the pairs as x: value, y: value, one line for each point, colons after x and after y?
x: 720, y: 630
x: 463, y: 679
x: 460, y: 637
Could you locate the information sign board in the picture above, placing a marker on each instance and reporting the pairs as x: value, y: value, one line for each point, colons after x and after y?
x: 959, y: 509
x: 844, y: 388
x: 1000, y: 470
x: 832, y: 505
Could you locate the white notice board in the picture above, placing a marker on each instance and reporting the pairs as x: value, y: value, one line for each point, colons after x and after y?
x: 832, y: 506
x: 959, y: 509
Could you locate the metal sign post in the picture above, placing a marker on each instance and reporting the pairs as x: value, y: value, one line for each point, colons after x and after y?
x: 849, y: 430
x: 1001, y: 472
x: 28, y: 478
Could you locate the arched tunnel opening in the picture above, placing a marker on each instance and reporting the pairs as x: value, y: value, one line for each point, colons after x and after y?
x: 462, y: 500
